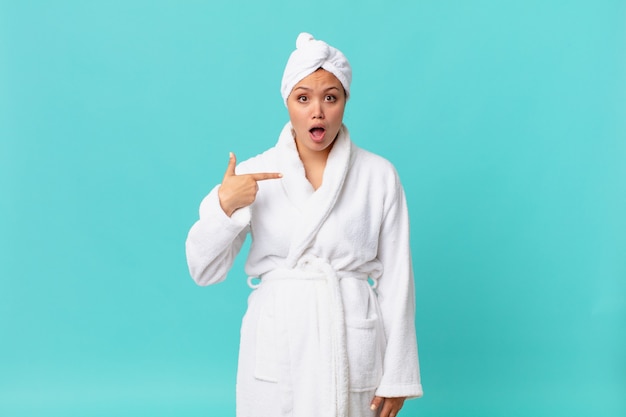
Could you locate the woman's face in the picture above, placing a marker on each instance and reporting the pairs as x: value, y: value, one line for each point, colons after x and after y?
x: 316, y: 106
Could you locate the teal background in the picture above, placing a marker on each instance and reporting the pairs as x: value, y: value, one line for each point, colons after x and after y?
x: 505, y: 119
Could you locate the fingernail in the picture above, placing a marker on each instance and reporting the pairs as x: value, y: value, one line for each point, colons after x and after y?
x: 373, y: 407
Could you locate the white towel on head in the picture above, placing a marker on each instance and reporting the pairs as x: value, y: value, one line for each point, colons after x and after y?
x: 309, y: 56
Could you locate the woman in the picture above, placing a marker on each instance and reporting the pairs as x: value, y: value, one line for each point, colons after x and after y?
x: 329, y: 330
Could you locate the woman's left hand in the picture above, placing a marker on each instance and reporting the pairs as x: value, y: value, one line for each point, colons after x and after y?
x: 389, y: 407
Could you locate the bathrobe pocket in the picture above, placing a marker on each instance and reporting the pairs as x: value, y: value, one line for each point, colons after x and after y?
x: 365, y: 355
x: 266, y: 360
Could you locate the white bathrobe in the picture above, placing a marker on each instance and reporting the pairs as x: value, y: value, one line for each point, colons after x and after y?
x: 330, y: 322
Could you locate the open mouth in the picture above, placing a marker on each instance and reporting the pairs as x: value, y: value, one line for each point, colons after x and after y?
x: 317, y: 133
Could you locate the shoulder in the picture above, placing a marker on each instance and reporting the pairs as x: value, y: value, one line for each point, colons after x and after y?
x: 376, y: 178
x: 366, y: 157
x: 373, y: 166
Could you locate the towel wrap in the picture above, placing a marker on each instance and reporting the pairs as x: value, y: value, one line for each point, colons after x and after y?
x: 310, y: 55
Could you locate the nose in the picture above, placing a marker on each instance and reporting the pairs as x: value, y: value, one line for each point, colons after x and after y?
x: 317, y: 110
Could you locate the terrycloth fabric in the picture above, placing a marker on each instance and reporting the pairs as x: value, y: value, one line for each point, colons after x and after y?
x: 293, y: 349
x: 311, y: 55
x: 328, y: 357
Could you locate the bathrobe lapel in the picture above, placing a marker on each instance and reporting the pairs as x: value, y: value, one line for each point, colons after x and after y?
x: 314, y: 205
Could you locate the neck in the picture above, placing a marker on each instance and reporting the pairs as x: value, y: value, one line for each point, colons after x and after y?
x: 314, y: 163
x: 313, y: 157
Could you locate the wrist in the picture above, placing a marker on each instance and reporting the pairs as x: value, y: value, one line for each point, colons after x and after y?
x: 224, y: 204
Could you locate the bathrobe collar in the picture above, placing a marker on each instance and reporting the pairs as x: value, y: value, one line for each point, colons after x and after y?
x: 315, y: 205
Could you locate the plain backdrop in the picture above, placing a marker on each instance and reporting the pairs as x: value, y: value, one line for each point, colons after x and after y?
x: 505, y: 119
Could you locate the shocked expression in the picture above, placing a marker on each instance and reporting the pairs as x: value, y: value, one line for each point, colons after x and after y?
x: 316, y: 105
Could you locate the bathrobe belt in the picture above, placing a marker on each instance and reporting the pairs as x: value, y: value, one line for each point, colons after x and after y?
x: 316, y: 269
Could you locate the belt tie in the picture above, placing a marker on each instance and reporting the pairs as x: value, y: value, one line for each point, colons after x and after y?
x: 331, y: 315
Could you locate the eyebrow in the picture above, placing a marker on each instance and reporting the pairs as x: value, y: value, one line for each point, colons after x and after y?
x: 310, y: 89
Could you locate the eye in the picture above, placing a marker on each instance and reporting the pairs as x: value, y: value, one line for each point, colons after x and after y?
x: 303, y: 99
x: 330, y: 98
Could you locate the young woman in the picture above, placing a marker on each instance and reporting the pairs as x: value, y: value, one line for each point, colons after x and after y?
x: 329, y: 330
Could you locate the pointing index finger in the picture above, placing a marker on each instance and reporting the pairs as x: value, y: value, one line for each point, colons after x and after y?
x: 262, y: 176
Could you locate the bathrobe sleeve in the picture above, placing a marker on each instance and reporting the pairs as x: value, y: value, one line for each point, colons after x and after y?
x: 215, y: 240
x: 396, y: 295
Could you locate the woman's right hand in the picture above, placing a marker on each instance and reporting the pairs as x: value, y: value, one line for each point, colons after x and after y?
x: 239, y: 191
